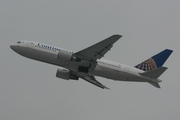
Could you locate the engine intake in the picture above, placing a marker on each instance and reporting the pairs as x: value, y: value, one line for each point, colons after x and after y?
x: 65, y: 74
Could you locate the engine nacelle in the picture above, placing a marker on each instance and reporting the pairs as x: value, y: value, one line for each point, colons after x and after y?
x: 66, y: 56
x: 65, y: 74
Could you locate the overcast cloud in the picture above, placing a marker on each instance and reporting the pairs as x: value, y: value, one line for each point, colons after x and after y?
x: 29, y: 89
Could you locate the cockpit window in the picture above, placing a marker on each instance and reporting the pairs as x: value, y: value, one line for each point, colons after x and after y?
x: 19, y: 42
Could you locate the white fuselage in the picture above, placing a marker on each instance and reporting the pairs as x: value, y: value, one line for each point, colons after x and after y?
x: 104, y: 68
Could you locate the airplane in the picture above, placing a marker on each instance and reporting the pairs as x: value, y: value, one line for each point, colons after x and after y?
x: 87, y: 63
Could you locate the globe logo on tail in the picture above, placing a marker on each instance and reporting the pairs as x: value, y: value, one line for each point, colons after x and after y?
x: 147, y: 65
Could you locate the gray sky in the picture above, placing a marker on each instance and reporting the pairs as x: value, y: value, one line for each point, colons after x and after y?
x: 29, y: 89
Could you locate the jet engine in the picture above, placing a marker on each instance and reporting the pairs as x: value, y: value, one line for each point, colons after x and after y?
x: 65, y: 74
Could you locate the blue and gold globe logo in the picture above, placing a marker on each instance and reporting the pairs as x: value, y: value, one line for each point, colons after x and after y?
x: 147, y: 65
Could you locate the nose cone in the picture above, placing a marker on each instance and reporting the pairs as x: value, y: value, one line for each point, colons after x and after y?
x: 14, y: 47
x: 18, y: 49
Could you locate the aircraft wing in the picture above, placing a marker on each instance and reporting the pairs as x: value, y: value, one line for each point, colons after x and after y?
x: 91, y: 54
x: 92, y: 80
x: 97, y: 50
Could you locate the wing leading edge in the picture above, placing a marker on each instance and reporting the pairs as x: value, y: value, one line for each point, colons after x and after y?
x: 97, y: 50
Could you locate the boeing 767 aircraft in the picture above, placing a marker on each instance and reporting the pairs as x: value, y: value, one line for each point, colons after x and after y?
x: 87, y: 63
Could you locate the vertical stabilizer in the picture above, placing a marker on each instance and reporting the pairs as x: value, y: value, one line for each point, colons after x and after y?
x: 155, y: 62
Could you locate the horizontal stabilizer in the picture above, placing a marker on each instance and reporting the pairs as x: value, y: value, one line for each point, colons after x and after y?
x: 154, y: 73
x: 155, y: 84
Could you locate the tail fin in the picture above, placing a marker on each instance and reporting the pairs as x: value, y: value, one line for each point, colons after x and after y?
x: 155, y: 62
